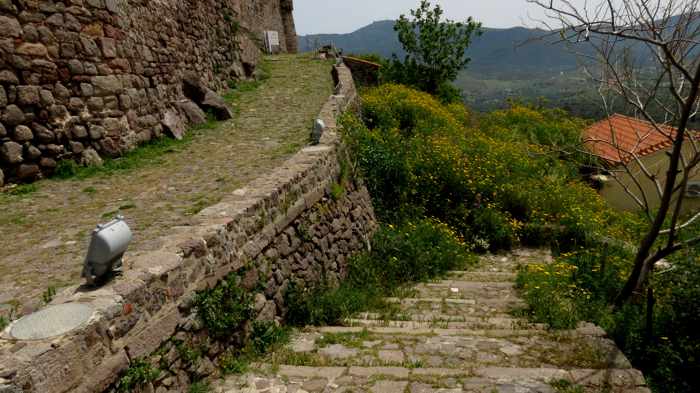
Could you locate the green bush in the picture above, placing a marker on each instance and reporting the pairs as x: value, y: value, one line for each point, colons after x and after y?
x: 139, y: 373
x: 491, y: 184
x: 264, y: 336
x: 323, y: 304
x: 199, y: 387
x: 401, y: 255
x: 225, y: 308
x: 66, y: 169
x: 408, y: 253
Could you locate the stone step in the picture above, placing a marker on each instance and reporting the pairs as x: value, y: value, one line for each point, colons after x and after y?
x: 453, y: 289
x: 449, y: 348
x: 469, y: 285
x: 466, y: 323
x: 289, y: 378
x: 450, y: 336
x: 399, y: 316
x: 480, y: 307
x: 511, y: 300
x: 583, y: 330
x: 482, y: 276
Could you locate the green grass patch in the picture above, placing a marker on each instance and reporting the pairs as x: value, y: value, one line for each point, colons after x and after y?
x: 13, y: 219
x: 263, y: 73
x: 199, y: 387
x: 201, y: 202
x: 137, y: 375
x: 151, y: 153
x: 564, y: 386
x: 21, y: 190
x: 265, y: 337
x: 48, y: 294
x: 225, y: 308
x: 353, y: 340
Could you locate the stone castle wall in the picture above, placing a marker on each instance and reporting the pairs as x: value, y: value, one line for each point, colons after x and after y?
x: 284, y: 227
x: 101, y: 75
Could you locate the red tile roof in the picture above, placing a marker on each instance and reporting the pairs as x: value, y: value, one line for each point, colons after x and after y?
x: 631, y: 137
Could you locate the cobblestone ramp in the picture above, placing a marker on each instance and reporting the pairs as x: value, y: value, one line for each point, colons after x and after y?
x: 454, y: 335
x: 45, y: 233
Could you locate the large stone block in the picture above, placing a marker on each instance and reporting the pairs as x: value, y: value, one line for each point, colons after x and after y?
x: 28, y: 171
x: 22, y: 134
x: 8, y: 77
x: 28, y: 95
x: 107, y: 85
x: 13, y: 116
x: 30, y: 49
x: 9, y: 27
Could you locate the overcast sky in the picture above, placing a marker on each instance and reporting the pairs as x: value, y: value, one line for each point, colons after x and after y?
x: 344, y: 16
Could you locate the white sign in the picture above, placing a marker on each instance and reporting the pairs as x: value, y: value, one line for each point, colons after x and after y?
x: 272, y: 41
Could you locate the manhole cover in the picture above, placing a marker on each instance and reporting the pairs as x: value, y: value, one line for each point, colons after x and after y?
x: 51, y: 322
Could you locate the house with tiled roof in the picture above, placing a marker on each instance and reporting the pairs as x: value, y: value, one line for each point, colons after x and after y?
x: 628, y: 147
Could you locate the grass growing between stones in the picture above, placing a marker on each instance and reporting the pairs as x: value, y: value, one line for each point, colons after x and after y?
x: 265, y: 337
x: 401, y: 255
x: 223, y: 312
x: 151, y: 153
x: 137, y: 375
x: 17, y: 192
x: 564, y: 386
x: 224, y: 308
x: 352, y: 340
x: 199, y: 387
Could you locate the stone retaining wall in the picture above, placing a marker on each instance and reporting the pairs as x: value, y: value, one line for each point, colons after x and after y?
x: 366, y: 73
x: 101, y: 75
x: 284, y: 227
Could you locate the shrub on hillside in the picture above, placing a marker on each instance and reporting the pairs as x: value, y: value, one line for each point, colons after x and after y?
x: 422, y: 157
x: 553, y: 129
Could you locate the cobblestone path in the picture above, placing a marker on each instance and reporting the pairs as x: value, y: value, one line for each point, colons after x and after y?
x: 44, y: 235
x: 454, y: 335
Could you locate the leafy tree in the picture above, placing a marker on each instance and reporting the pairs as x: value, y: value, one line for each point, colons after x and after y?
x: 435, y: 50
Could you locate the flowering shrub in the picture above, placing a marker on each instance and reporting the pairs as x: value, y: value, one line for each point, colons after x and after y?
x: 420, y: 156
x: 583, y: 284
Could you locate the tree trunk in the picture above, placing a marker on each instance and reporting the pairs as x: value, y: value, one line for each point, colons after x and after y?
x: 644, y: 262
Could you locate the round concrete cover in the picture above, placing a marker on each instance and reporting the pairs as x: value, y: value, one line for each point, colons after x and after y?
x: 51, y: 322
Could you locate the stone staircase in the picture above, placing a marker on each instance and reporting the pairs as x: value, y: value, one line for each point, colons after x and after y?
x: 454, y: 335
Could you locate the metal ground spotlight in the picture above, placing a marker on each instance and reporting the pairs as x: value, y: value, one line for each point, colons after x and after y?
x: 107, y: 247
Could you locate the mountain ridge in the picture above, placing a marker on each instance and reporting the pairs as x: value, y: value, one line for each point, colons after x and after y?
x: 497, y: 51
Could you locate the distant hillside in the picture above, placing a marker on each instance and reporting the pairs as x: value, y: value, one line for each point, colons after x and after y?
x: 514, y: 51
x: 507, y: 64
